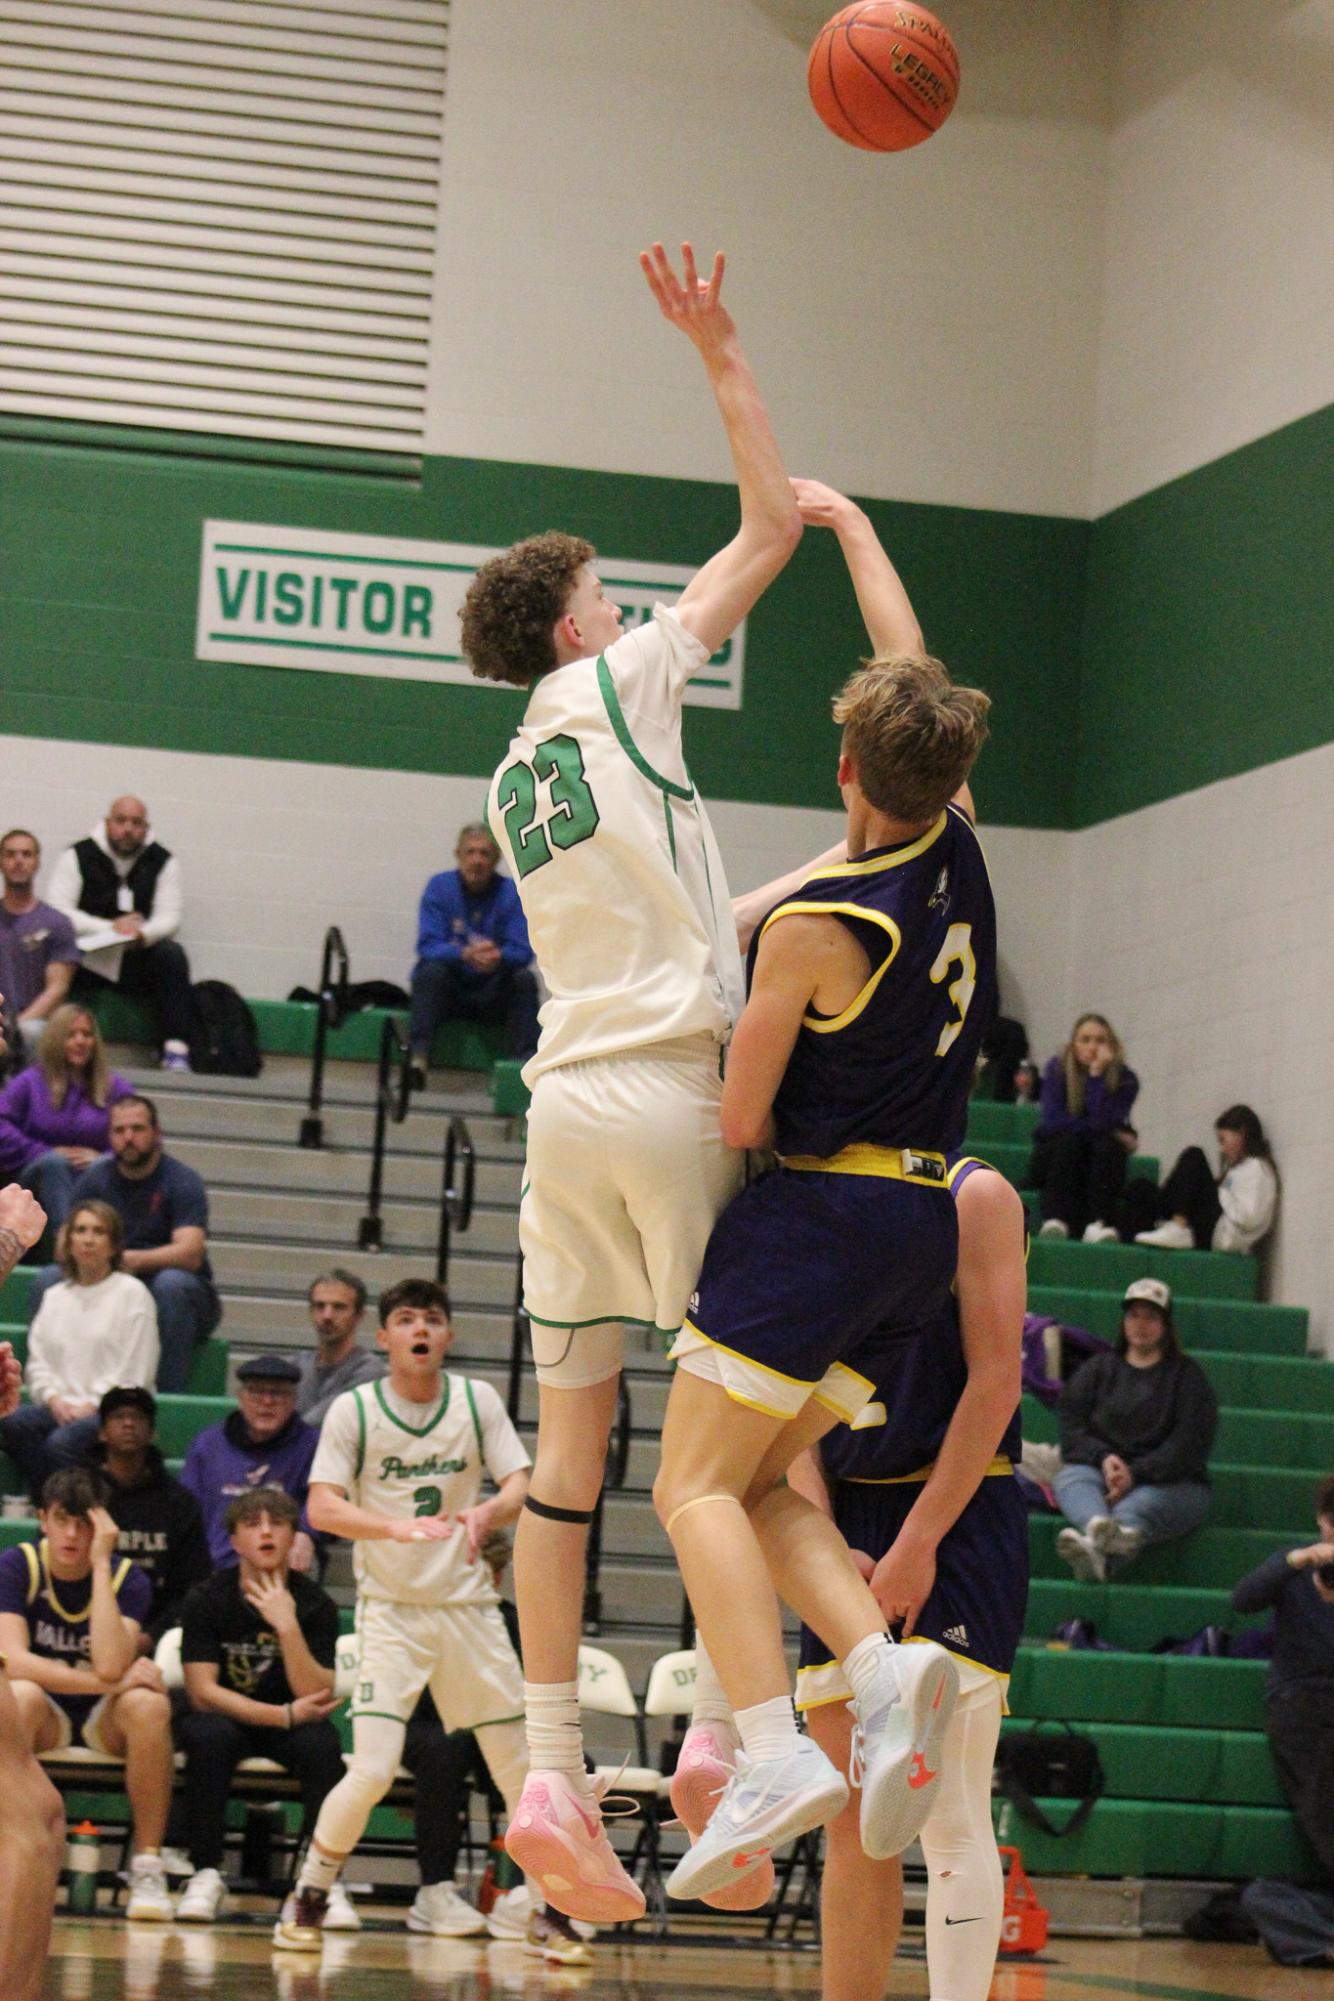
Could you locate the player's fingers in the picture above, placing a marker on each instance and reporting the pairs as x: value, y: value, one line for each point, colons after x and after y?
x: 689, y: 275
x: 715, y: 279
x: 910, y: 1612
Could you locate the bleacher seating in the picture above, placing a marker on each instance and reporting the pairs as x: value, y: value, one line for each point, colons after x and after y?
x: 1190, y: 1789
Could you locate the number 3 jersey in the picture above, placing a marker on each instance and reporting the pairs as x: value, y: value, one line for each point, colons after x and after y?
x: 894, y: 1069
x: 405, y: 1460
x: 619, y: 874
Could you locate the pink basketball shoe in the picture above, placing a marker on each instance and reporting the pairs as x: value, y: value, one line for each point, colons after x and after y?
x: 557, y: 1837
x: 702, y: 1770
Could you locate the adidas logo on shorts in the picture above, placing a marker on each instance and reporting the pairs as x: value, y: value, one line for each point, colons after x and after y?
x: 955, y: 1636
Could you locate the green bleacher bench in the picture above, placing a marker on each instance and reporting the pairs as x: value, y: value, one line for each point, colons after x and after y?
x: 1132, y: 1616
x: 208, y: 1364
x: 1171, y: 1689
x: 509, y: 1093
x: 1242, y: 1325
x: 1207, y: 1767
x: 990, y: 1121
x: 1162, y: 1838
x: 1215, y: 1558
x: 1292, y: 1438
x: 1111, y: 1268
x: 1280, y: 1499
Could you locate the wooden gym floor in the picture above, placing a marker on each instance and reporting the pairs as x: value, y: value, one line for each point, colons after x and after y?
x: 112, y: 1962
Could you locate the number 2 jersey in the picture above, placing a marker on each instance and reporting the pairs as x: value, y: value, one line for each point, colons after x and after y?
x: 403, y: 1460
x: 895, y: 1067
x: 619, y: 874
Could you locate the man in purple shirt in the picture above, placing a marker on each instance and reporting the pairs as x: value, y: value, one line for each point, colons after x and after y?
x: 38, y: 950
x: 262, y: 1443
x: 473, y: 956
x: 70, y: 1617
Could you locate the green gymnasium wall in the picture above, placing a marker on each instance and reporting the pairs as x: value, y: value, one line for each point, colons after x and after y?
x: 1208, y: 643
x: 99, y: 560
x: 1181, y: 639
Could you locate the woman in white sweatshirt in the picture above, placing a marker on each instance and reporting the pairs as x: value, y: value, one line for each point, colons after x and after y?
x: 1198, y: 1209
x: 95, y: 1330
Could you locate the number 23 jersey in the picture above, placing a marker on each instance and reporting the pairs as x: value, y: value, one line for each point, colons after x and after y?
x: 402, y: 1460
x: 619, y: 874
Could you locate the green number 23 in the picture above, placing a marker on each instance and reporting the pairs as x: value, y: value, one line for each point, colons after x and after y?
x: 575, y: 814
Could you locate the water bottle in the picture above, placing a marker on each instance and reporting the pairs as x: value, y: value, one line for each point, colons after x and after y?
x: 1025, y: 1083
x: 83, y: 1853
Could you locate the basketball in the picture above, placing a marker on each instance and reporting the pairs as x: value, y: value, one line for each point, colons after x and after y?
x: 883, y: 76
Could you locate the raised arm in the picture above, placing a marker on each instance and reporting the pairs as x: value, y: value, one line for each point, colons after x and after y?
x: 719, y: 596
x: 754, y: 906
x: 887, y: 613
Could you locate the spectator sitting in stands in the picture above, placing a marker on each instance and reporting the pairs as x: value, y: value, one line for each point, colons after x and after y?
x: 1299, y: 1700
x: 257, y: 1649
x: 122, y: 893
x: 38, y: 949
x: 337, y: 1300
x: 55, y: 1116
x: 70, y: 1617
x: 161, y: 1528
x: 262, y: 1443
x: 1084, y: 1136
x: 1196, y: 1209
x: 1137, y: 1425
x: 473, y: 955
x: 93, y: 1330
x: 163, y: 1206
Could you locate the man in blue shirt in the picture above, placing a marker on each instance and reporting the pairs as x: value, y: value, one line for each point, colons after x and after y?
x: 473, y: 955
x: 163, y: 1206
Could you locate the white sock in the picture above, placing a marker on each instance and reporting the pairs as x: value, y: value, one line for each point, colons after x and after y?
x: 710, y: 1704
x: 768, y: 1729
x: 863, y: 1663
x: 555, y: 1737
x: 318, y: 1871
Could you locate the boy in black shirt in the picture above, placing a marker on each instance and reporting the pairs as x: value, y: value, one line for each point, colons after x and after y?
x: 161, y: 1528
x: 257, y: 1647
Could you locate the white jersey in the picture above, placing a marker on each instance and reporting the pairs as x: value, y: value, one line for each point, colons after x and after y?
x: 400, y: 1459
x: 615, y: 861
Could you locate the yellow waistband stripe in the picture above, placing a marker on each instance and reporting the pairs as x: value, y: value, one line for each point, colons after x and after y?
x: 997, y: 1470
x: 886, y: 1163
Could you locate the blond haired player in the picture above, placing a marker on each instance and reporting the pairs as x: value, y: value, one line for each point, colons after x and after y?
x: 399, y: 1469
x: 629, y: 916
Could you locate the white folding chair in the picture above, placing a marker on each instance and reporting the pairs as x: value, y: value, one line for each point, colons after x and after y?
x: 604, y: 1688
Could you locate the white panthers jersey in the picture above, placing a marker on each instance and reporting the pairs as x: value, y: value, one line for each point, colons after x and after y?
x: 615, y: 861
x: 401, y: 1460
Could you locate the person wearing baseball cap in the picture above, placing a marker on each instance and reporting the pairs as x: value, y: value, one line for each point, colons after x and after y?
x: 262, y: 1443
x: 1137, y: 1427
x: 161, y: 1528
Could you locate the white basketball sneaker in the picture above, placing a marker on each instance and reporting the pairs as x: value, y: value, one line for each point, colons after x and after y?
x: 896, y: 1737
x: 766, y: 1802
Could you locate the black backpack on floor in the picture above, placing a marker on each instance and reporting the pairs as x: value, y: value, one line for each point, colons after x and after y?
x: 225, y: 1039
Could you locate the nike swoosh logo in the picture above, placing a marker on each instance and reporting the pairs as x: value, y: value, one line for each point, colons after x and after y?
x: 594, y: 1826
x: 747, y: 1861
x: 921, y: 1774
x: 962, y: 1921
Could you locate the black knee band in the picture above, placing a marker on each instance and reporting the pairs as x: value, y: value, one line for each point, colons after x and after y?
x: 581, y: 1517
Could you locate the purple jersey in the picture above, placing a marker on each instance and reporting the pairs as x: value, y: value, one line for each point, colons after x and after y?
x: 57, y: 1610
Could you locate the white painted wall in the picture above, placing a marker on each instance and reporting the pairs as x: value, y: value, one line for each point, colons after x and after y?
x: 1218, y: 279
x: 1204, y: 929
x: 923, y: 326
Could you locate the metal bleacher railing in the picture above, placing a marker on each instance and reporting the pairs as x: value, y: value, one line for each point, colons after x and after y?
x: 330, y: 1013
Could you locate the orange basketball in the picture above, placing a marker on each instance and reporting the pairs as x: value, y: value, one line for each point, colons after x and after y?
x: 883, y: 76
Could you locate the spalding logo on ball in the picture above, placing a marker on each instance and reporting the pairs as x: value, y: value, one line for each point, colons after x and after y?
x: 883, y: 76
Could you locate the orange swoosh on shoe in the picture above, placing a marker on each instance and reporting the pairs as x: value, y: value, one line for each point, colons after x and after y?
x: 920, y: 1774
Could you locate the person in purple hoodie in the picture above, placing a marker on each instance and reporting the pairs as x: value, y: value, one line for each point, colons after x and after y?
x: 55, y: 1116
x: 1084, y: 1136
x: 262, y: 1443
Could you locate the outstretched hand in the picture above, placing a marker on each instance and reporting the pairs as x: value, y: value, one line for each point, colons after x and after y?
x: 821, y: 506
x: 687, y: 301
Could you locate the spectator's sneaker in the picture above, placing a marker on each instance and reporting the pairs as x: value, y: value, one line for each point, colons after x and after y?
x: 175, y: 1056
x: 1101, y: 1233
x: 898, y: 1725
x: 300, y: 1928
x: 551, y: 1937
x: 1054, y: 1229
x: 557, y: 1837
x: 1169, y: 1236
x: 440, y: 1909
x: 341, y: 1915
x: 176, y: 1863
x: 511, y: 1914
x: 202, y: 1899
x: 1112, y: 1538
x: 418, y: 1074
x: 765, y: 1802
x: 706, y: 1763
x: 1084, y: 1558
x: 149, y: 1900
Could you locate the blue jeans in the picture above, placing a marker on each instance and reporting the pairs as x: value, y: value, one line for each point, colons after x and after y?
x: 188, y: 1310
x: 38, y: 1445
x: 51, y: 1179
x: 1161, y: 1514
x: 443, y: 990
